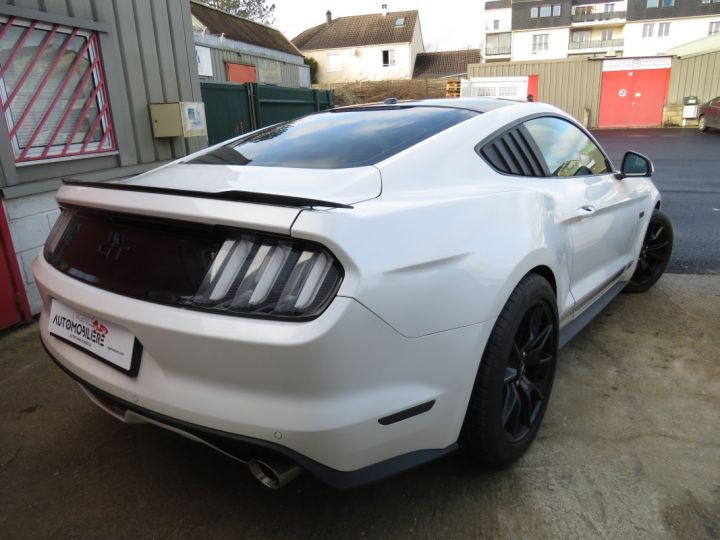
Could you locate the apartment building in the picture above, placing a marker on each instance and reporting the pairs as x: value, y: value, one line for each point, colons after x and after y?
x: 522, y: 30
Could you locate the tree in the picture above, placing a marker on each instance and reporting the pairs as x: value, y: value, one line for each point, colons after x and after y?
x: 255, y: 10
x: 309, y: 61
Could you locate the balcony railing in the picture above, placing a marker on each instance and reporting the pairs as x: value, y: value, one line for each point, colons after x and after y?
x: 496, y: 50
x: 597, y: 44
x: 601, y: 16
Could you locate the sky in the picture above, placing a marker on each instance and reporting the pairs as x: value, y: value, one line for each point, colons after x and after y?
x: 446, y: 25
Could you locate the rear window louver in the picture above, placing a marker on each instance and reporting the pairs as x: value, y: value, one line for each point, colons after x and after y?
x: 512, y: 153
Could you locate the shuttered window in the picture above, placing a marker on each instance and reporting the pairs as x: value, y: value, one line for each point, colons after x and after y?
x: 52, y: 91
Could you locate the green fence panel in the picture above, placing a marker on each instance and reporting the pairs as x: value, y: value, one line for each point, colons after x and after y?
x: 227, y: 110
x: 275, y: 104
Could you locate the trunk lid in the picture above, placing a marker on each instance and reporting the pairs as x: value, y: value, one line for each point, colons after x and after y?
x: 342, y: 186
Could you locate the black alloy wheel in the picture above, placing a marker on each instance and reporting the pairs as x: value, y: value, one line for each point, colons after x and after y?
x: 527, y: 374
x: 654, y: 254
x: 514, y: 379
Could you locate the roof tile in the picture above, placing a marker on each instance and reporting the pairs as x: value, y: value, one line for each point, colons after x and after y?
x: 445, y: 63
x: 240, y: 29
x: 359, y: 31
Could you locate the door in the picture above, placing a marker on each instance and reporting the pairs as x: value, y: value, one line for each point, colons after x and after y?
x: 13, y: 303
x: 633, y: 98
x: 601, y: 213
x: 712, y: 116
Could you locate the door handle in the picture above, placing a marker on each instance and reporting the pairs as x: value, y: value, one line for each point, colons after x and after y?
x: 585, y: 211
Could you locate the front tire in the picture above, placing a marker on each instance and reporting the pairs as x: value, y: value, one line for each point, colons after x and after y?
x: 654, y: 254
x: 702, y: 125
x: 515, y: 377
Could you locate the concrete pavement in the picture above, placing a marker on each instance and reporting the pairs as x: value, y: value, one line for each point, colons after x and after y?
x: 630, y: 448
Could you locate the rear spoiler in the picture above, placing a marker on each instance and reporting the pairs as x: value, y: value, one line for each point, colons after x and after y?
x: 229, y: 195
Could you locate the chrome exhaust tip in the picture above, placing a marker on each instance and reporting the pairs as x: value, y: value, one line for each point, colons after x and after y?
x: 273, y: 473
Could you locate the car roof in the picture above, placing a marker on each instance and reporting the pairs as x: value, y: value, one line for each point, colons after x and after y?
x: 474, y: 103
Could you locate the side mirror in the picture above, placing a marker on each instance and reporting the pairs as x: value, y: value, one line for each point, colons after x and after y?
x: 635, y: 164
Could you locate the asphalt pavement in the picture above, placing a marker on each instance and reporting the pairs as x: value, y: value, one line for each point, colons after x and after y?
x: 687, y: 172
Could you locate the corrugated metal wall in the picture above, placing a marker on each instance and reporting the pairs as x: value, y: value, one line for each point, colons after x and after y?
x: 289, y: 73
x: 149, y: 56
x: 572, y: 85
x: 697, y: 75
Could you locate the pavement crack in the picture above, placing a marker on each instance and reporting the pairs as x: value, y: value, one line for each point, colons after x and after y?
x: 9, y: 461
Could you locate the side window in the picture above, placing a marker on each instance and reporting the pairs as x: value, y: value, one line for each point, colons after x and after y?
x: 566, y: 149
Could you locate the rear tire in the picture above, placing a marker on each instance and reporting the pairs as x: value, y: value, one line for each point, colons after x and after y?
x: 515, y: 377
x: 654, y: 254
x: 702, y: 125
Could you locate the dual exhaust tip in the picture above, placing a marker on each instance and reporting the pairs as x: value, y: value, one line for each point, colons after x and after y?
x: 273, y: 473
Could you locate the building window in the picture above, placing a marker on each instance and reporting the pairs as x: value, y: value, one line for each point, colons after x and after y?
x: 668, y: 3
x: 334, y: 62
x: 400, y: 21
x: 580, y: 36
x: 609, y: 8
x: 607, y: 35
x: 714, y: 28
x: 388, y: 58
x: 556, y: 10
x: 648, y: 30
x: 545, y: 11
x: 540, y: 43
x: 663, y: 29
x: 533, y: 12
x: 496, y: 24
x: 652, y: 3
x: 711, y: 1
x: 52, y: 91
x: 498, y: 43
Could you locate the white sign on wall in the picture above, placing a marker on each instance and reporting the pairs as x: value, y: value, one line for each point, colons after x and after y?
x: 204, y: 61
x: 630, y: 64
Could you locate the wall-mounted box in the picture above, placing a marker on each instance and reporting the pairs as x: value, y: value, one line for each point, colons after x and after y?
x: 178, y: 119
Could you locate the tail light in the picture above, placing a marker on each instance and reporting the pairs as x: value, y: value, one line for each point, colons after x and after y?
x: 181, y: 264
x: 272, y: 277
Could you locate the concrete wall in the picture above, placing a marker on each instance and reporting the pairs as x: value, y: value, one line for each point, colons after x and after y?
x: 148, y: 56
x: 502, y: 15
x: 364, y: 64
x: 681, y: 31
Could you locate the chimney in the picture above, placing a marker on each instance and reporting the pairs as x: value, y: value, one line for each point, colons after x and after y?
x: 328, y: 16
x: 384, y: 10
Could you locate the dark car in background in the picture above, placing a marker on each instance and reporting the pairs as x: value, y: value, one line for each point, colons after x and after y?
x: 709, y: 115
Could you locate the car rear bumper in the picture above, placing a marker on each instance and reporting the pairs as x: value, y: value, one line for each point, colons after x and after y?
x: 313, y: 392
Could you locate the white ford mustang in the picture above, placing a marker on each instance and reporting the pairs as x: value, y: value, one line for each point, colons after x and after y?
x: 355, y: 292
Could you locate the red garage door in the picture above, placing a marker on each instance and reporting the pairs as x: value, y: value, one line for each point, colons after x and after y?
x: 633, y: 98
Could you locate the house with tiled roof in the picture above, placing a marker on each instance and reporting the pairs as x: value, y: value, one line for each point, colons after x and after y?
x: 445, y: 64
x: 372, y: 47
x: 230, y: 48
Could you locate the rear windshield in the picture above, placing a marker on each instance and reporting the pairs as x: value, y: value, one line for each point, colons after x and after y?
x: 338, y: 139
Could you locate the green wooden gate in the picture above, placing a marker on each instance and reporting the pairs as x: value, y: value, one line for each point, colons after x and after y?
x: 233, y: 109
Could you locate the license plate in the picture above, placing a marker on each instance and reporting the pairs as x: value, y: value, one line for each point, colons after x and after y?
x: 104, y: 340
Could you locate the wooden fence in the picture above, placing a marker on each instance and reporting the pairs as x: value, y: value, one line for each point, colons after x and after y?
x: 374, y: 91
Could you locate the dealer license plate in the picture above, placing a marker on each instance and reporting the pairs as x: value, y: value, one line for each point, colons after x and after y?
x: 104, y: 340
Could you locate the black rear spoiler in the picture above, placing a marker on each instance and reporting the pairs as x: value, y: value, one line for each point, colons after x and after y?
x: 230, y: 195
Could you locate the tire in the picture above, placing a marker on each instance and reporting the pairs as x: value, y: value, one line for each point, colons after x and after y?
x: 654, y: 254
x: 702, y: 125
x: 501, y: 420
